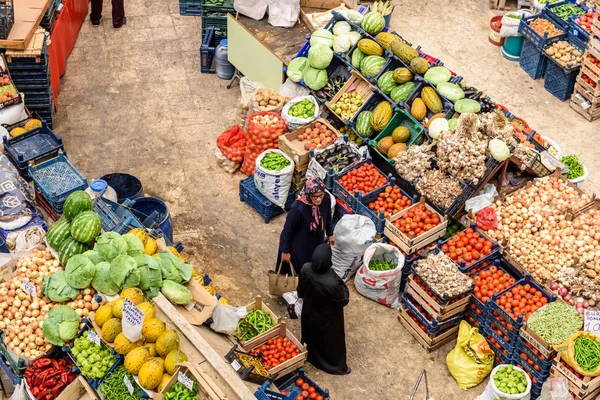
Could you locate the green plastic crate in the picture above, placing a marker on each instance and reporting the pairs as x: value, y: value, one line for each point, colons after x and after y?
x: 400, y: 118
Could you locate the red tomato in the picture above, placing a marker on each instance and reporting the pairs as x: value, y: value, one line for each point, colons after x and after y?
x: 311, y: 389
x: 304, y: 394
x: 299, y: 397
x: 313, y: 395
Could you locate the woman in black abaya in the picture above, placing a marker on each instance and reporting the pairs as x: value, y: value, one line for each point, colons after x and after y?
x: 325, y: 296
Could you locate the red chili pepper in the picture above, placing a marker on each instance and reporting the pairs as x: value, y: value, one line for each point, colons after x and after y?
x: 29, y: 372
x: 39, y: 378
x: 42, y: 362
x: 35, y: 391
x: 55, y: 364
x: 51, y: 379
x: 63, y: 363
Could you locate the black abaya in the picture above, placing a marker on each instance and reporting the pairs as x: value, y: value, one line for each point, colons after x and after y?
x: 325, y: 295
x: 296, y: 237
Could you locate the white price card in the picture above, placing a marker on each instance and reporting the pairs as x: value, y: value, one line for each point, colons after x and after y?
x: 591, y: 321
x: 132, y: 321
x: 236, y: 365
x: 93, y: 337
x: 185, y: 381
x: 29, y: 288
x: 128, y: 384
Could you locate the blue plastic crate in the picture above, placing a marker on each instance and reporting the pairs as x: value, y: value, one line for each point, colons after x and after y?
x: 549, y: 10
x: 227, y: 6
x: 532, y: 61
x: 544, y: 365
x: 340, y: 192
x: 207, y: 50
x: 479, y: 319
x: 507, y: 339
x: 536, y: 376
x: 14, y: 379
x: 558, y: 81
x: 498, y: 350
x: 115, y: 217
x: 433, y: 327
x: 577, y: 31
x: 287, y: 383
x: 538, y: 41
x: 186, y: 8
x: 56, y: 179
x: 250, y: 194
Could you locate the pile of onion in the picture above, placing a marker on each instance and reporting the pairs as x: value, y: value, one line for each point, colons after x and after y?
x: 579, y: 303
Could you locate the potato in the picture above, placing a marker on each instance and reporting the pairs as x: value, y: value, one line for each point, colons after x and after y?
x: 262, y: 103
x: 273, y: 102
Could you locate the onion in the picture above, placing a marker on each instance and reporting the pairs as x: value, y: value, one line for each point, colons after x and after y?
x: 564, y: 293
x: 554, y: 285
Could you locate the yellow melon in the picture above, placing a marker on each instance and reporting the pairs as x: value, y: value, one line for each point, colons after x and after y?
x: 395, y: 149
x: 32, y: 124
x: 384, y: 144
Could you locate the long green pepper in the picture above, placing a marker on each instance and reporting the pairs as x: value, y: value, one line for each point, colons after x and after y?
x: 274, y: 161
x: 574, y: 166
x: 587, y: 353
x: 382, y: 264
x: 113, y: 387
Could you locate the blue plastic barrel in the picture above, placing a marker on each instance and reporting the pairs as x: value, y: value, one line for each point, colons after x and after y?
x: 153, y: 211
x: 127, y: 186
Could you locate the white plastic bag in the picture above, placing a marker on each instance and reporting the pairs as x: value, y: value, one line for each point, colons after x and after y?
x: 13, y: 113
x: 491, y: 392
x: 274, y: 185
x: 254, y: 9
x: 19, y: 392
x: 381, y: 286
x: 289, y: 88
x: 555, y: 389
x: 284, y: 13
x: 510, y: 26
x: 294, y: 123
x: 485, y: 199
x: 353, y: 235
x: 226, y: 163
x: 247, y: 89
x: 226, y: 318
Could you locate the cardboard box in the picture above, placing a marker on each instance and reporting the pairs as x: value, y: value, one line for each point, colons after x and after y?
x: 207, y: 388
x: 294, y: 148
x: 202, y: 305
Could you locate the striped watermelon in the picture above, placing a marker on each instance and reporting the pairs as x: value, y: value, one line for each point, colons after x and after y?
x: 403, y: 92
x: 86, y: 226
x: 363, y: 124
x: 77, y: 202
x: 371, y: 65
x: 69, y: 248
x: 373, y: 23
x: 58, y: 233
x: 357, y: 57
x: 386, y: 82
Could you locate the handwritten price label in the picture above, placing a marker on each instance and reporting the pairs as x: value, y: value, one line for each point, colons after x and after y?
x: 93, y: 337
x: 591, y: 321
x: 128, y: 384
x: 29, y: 288
x: 132, y: 321
x: 185, y: 381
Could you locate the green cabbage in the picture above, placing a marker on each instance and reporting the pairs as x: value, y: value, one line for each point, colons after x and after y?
x: 94, y: 256
x: 451, y: 91
x: 110, y: 245
x: 150, y: 274
x: 315, y: 78
x: 124, y: 273
x: 436, y: 75
x: 321, y: 36
x: 341, y: 28
x: 103, y: 282
x: 56, y: 288
x: 467, y: 106
x: 172, y: 268
x: 319, y: 56
x: 342, y: 43
x: 296, y: 67
x: 60, y: 325
x: 499, y: 150
x: 80, y: 271
x: 355, y: 16
x: 176, y: 293
x: 135, y: 247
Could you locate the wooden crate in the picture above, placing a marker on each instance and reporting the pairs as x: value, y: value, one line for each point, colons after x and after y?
x: 299, y: 175
x: 258, y: 304
x: 359, y: 85
x: 437, y: 311
x: 574, y: 390
x: 589, y: 64
x: 287, y: 366
x: 206, y: 386
x: 28, y: 16
x: 33, y: 50
x: 427, y: 342
x: 294, y: 148
x: 537, y: 342
x: 585, y: 113
x: 407, y: 244
x: 585, y: 385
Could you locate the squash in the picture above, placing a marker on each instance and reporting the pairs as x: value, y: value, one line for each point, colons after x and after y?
x: 381, y: 116
x: 395, y: 149
x: 418, y: 109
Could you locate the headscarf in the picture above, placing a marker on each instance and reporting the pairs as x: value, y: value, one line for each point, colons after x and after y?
x: 312, y: 186
x: 321, y: 259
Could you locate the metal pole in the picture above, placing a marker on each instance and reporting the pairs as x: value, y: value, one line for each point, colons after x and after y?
x: 421, y: 375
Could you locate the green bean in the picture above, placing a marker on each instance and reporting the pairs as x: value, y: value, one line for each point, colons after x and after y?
x: 113, y: 387
x: 555, y: 322
x: 587, y: 353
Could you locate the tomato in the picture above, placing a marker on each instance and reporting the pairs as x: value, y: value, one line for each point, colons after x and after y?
x: 299, y: 397
x: 320, y: 398
x: 311, y: 389
x: 304, y: 394
x: 305, y: 386
x: 312, y: 395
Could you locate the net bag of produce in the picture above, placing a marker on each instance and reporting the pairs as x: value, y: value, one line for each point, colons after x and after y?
x: 471, y: 360
x: 264, y: 129
x: 247, y: 90
x: 265, y: 99
x: 295, y: 122
x: 383, y: 286
x: 225, y: 163
x: 273, y: 176
x: 509, y: 378
x: 353, y: 235
x: 582, y: 352
x: 232, y: 143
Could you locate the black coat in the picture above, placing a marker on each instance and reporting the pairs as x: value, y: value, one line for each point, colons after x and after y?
x: 325, y: 296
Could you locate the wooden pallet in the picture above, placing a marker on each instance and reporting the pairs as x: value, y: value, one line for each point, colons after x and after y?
x: 428, y: 343
x: 28, y: 15
x: 437, y: 311
x: 33, y: 50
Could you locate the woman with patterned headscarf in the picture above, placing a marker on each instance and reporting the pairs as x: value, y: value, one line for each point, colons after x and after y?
x: 307, y: 225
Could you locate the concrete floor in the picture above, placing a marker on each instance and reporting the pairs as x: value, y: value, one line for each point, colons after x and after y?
x: 134, y: 101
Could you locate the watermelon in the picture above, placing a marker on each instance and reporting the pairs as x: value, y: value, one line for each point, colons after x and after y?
x: 371, y: 65
x: 403, y: 92
x: 69, y: 248
x: 363, y: 124
x: 373, y: 23
x: 357, y: 57
x: 86, y: 226
x: 58, y: 233
x: 77, y: 202
x: 386, y: 82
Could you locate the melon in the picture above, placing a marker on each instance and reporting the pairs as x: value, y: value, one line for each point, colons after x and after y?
x: 151, y: 348
x: 167, y: 342
x: 357, y: 57
x: 395, y: 149
x: 369, y: 47
x: 382, y: 114
x: 135, y: 359
x: 86, y: 226
x: 418, y: 109
x: 123, y: 346
x: 147, y: 308
x: 373, y: 23
x: 58, y: 233
x: 32, y: 124
x: 419, y: 65
x: 363, y: 124
x: 134, y: 294
x: 103, y: 314
x: 372, y: 65
x: 151, y: 373
x: 386, y: 82
x: 386, y: 39
x: 77, y: 202
x: 163, y: 382
x: 69, y: 248
x: 402, y: 75
x: 401, y: 134
x: 117, y: 308
x: 110, y: 329
x: 385, y: 144
x: 152, y: 329
x: 172, y: 359
x: 403, y: 51
x: 402, y: 93
x: 17, y: 131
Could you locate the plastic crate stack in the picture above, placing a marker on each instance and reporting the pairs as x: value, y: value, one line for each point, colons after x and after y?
x: 267, y: 210
x: 7, y: 17
x: 30, y: 73
x: 51, y: 14
x: 586, y: 96
x: 214, y: 13
x: 533, y: 60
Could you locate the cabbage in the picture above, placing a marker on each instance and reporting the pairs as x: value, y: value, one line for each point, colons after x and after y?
x: 321, y: 36
x: 103, y: 282
x: 355, y: 16
x: 499, y: 150
x: 436, y: 75
x: 80, y: 271
x: 123, y: 272
x: 296, y: 67
x: 319, y: 56
x: 135, y: 247
x: 467, y: 106
x: 451, y: 91
x: 315, y: 78
x: 94, y: 256
x: 56, y: 288
x: 110, y: 245
x: 354, y: 37
x: 60, y: 325
x: 176, y: 293
x: 150, y: 275
x: 437, y: 126
x: 172, y: 268
x: 342, y: 43
x: 341, y: 27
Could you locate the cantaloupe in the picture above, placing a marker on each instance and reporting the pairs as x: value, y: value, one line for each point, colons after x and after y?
x: 32, y: 124
x: 396, y: 149
x: 384, y: 144
x: 401, y: 134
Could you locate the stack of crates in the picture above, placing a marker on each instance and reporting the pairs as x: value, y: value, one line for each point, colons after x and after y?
x: 30, y: 73
x: 51, y: 15
x: 7, y: 18
x: 533, y: 59
x: 586, y: 96
x: 215, y: 15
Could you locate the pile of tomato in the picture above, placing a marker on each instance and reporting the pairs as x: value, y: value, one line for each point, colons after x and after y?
x: 467, y: 245
x: 497, y: 345
x: 522, y: 300
x: 490, y: 281
x: 276, y: 351
x: 417, y: 220
x: 308, y: 391
x: 593, y: 60
x: 365, y: 179
x: 530, y: 361
x: 586, y: 21
x: 390, y: 201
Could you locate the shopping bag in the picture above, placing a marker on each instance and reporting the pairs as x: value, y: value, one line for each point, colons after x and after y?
x: 491, y: 392
x: 353, y: 235
x: 381, y: 286
x: 274, y: 185
x: 471, y: 360
x: 280, y: 283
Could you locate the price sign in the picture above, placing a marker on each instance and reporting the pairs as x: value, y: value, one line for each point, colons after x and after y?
x: 93, y: 337
x: 185, y: 381
x: 29, y: 288
x: 132, y: 321
x: 236, y: 365
x: 128, y: 384
x: 592, y: 321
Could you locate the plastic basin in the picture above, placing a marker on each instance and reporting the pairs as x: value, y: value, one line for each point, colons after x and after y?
x: 127, y: 186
